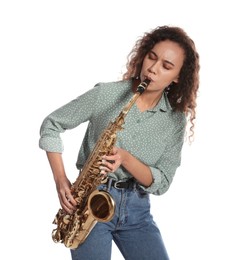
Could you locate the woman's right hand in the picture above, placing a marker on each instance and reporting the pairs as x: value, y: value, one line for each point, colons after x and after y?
x: 66, y: 199
x: 63, y: 185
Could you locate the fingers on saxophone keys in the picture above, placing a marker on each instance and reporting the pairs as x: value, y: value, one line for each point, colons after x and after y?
x: 102, y: 167
x: 70, y: 202
x: 67, y: 206
x: 67, y: 209
x: 108, y: 164
x: 102, y: 170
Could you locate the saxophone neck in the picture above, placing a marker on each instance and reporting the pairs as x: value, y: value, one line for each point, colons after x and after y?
x: 139, y: 90
x: 130, y: 103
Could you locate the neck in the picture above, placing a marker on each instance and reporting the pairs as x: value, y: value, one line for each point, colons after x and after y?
x: 148, y: 100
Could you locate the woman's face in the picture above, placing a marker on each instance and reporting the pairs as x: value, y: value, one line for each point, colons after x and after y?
x: 162, y: 65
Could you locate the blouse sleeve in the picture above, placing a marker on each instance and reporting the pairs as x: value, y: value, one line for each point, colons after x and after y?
x: 66, y: 117
x: 164, y: 170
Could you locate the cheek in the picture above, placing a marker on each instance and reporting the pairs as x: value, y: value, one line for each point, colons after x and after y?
x: 164, y: 81
x: 147, y: 64
x: 143, y: 65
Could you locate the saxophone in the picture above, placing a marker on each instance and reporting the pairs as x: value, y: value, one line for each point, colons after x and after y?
x: 92, y: 204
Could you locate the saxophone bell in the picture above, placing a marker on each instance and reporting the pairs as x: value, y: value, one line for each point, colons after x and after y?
x: 101, y: 205
x: 100, y: 208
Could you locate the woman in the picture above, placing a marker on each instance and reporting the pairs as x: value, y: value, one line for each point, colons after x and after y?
x: 148, y: 149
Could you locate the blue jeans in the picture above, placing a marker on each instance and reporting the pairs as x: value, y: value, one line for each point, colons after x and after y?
x: 132, y: 229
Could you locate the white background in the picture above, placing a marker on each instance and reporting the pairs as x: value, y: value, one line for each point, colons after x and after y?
x: 53, y: 51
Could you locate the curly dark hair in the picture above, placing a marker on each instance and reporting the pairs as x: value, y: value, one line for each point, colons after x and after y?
x: 183, y: 97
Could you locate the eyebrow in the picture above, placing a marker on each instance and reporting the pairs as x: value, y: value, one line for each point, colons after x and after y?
x: 167, y: 61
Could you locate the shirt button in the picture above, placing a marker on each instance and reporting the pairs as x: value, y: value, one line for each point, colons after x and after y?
x: 138, y: 121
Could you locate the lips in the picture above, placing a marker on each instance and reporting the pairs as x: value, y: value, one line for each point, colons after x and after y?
x: 148, y: 77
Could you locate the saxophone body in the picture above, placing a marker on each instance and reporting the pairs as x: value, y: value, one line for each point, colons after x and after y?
x: 93, y: 205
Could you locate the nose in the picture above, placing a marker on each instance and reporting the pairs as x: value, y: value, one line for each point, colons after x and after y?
x: 153, y: 68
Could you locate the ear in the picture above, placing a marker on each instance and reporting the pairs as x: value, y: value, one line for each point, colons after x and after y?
x: 175, y: 80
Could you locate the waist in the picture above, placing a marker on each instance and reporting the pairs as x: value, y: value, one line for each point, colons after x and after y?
x: 121, y: 184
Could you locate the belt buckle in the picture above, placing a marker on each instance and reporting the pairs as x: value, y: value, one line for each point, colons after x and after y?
x: 117, y: 182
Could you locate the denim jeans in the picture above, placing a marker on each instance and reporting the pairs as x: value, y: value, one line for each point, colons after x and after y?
x: 132, y: 229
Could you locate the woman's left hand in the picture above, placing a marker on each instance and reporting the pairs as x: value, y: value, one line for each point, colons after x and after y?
x: 110, y: 163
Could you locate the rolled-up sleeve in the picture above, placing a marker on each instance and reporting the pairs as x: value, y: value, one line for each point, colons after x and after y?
x: 164, y: 170
x: 66, y: 117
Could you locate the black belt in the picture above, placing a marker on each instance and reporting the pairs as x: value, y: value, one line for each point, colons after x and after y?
x: 121, y: 184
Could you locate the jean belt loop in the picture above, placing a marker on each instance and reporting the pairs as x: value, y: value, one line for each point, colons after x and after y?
x: 109, y: 184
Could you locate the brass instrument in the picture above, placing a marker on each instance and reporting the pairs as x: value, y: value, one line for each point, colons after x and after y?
x: 92, y: 204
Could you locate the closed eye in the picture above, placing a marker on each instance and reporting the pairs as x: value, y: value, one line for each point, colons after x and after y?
x: 167, y: 66
x: 152, y: 56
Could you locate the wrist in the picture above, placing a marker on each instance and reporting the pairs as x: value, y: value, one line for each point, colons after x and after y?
x: 125, y: 158
x: 59, y: 176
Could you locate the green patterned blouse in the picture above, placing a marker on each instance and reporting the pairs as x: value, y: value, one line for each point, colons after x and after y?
x: 154, y: 136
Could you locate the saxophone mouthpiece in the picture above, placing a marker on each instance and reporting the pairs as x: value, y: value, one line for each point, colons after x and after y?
x: 142, y: 86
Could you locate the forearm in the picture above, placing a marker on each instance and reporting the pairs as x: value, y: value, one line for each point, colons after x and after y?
x: 137, y: 169
x: 62, y: 183
x: 57, y: 165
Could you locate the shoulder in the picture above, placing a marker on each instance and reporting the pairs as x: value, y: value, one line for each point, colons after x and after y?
x: 118, y: 86
x: 115, y: 90
x: 177, y: 118
x: 106, y: 90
